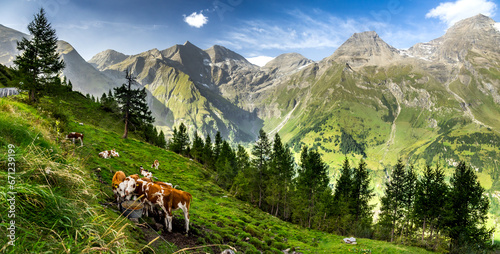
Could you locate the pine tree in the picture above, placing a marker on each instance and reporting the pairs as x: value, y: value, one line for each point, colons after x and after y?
x: 431, y: 194
x: 261, y: 152
x: 162, y: 142
x: 208, y: 154
x: 38, y: 62
x: 393, y: 202
x: 361, y: 195
x: 467, y: 212
x: 180, y: 140
x: 341, y: 198
x: 217, y: 145
x: 281, y: 172
x: 245, y: 183
x: 197, y: 149
x: 312, y: 189
x: 133, y: 104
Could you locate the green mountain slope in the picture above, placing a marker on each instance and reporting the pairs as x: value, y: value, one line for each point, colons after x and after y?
x: 72, y: 185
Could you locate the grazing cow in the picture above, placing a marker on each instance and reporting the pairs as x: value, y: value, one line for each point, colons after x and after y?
x: 104, y: 154
x: 168, y: 199
x: 117, y: 179
x: 114, y: 153
x: 108, y: 154
x: 177, y: 199
x: 156, y: 164
x: 146, y: 173
x: 75, y: 135
x: 123, y: 186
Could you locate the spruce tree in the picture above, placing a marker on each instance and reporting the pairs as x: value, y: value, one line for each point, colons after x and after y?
x: 312, y: 189
x: 431, y: 194
x: 341, y: 198
x: 39, y: 61
x: 361, y: 194
x: 261, y: 152
x: 197, y: 149
x: 132, y: 104
x: 280, y: 176
x: 208, y: 154
x: 180, y: 140
x: 393, y: 201
x: 244, y: 184
x: 467, y: 212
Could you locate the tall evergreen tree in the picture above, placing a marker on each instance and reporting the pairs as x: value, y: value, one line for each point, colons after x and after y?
x: 261, y: 152
x: 312, y: 189
x: 361, y: 194
x: 197, y: 149
x: 208, y: 153
x: 281, y: 172
x: 467, y: 212
x: 38, y: 62
x: 217, y: 145
x: 431, y: 194
x: 162, y: 142
x: 341, y: 199
x: 244, y: 184
x: 180, y: 140
x: 132, y: 104
x: 393, y: 202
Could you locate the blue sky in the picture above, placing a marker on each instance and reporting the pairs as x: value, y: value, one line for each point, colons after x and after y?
x: 252, y: 28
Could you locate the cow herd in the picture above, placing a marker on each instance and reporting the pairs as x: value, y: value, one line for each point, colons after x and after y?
x: 157, y: 197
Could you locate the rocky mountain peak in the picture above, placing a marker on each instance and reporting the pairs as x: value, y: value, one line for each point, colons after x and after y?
x: 478, y: 33
x: 106, y: 58
x: 288, y: 62
x: 219, y: 54
x: 365, y: 48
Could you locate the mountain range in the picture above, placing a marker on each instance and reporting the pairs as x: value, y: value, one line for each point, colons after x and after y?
x: 436, y: 102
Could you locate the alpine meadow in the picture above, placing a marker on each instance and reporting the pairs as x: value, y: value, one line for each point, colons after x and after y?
x: 372, y: 149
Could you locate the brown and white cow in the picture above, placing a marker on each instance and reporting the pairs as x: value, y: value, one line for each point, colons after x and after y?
x: 75, y: 135
x: 156, y: 164
x: 108, y: 154
x: 146, y: 173
x: 115, y: 182
x: 167, y: 198
x: 176, y: 199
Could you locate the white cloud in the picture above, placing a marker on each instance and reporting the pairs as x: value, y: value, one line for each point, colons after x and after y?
x: 260, y: 60
x: 196, y: 19
x: 451, y: 12
x: 497, y: 26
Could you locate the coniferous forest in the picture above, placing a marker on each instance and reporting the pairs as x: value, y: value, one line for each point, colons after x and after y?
x: 423, y: 210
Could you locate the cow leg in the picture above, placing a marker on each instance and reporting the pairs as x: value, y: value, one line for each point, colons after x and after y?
x: 186, y: 215
x: 81, y: 141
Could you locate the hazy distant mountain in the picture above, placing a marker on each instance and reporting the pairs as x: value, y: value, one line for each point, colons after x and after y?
x: 8, y: 44
x: 83, y: 76
x: 106, y: 58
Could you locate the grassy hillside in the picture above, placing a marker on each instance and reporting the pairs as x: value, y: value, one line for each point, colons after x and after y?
x: 63, y: 192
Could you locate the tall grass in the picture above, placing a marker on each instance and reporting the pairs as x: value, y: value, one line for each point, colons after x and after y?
x: 56, y: 209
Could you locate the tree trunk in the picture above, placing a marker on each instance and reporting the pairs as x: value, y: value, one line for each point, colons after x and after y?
x: 125, y: 133
x: 32, y: 95
x: 423, y: 229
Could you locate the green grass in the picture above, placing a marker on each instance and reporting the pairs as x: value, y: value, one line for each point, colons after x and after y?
x: 70, y: 196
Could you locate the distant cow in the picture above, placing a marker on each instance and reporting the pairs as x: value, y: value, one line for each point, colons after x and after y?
x: 114, y: 153
x: 146, y: 173
x: 156, y: 164
x: 75, y: 135
x: 107, y: 154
